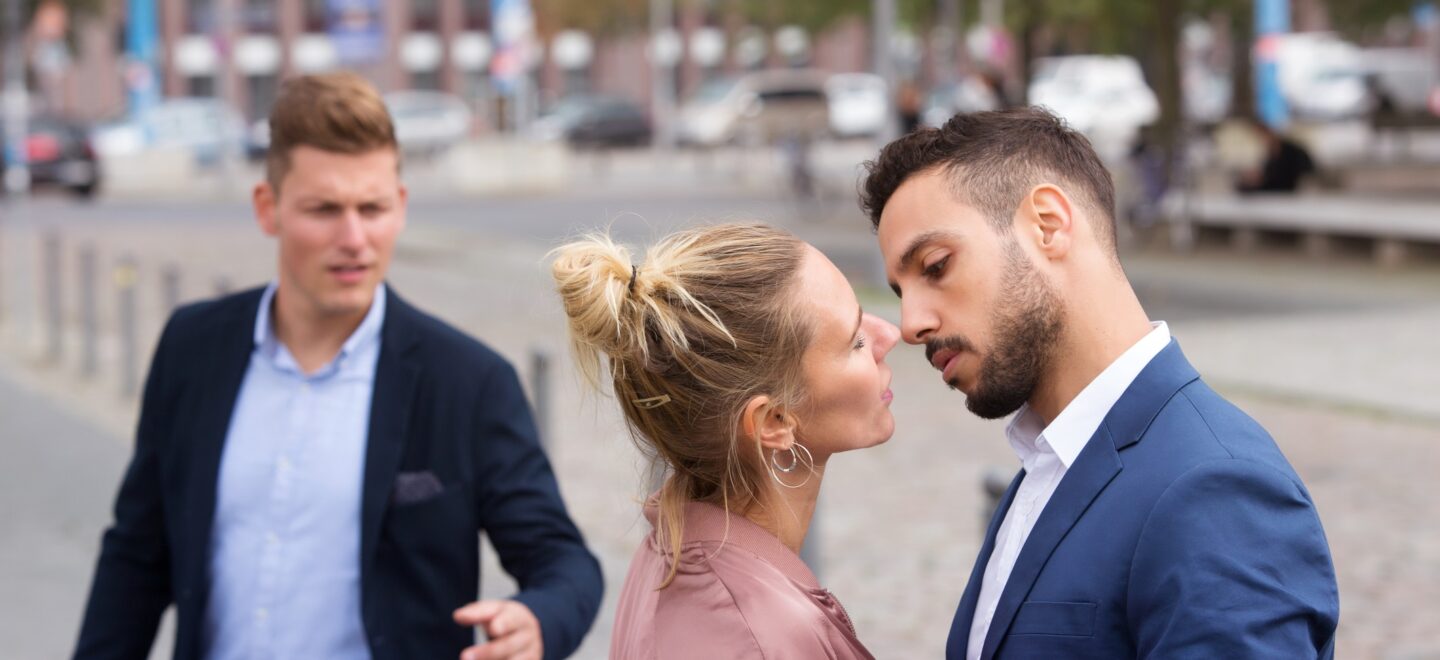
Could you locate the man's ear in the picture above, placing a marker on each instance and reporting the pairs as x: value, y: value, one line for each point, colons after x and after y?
x: 264, y: 198
x: 762, y: 422
x: 1048, y: 220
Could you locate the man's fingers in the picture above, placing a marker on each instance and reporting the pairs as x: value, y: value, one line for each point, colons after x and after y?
x: 478, y: 613
x: 511, y: 647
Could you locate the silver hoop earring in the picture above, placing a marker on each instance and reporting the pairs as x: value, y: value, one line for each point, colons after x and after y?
x: 797, y: 458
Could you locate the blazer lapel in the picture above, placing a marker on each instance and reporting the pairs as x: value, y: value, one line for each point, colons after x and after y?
x: 965, y: 614
x: 1094, y: 469
x: 396, y: 376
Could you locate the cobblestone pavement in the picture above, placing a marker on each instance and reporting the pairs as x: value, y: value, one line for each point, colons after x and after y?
x: 1334, y: 365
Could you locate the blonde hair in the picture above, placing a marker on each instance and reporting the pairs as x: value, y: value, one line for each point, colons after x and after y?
x: 337, y: 112
x: 709, y: 320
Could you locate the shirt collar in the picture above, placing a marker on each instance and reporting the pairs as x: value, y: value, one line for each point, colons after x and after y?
x: 271, y: 347
x: 1068, y: 433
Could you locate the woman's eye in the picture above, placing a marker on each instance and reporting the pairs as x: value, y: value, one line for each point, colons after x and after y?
x: 933, y: 270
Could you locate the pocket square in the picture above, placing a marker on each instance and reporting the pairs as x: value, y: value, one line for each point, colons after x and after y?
x: 412, y: 487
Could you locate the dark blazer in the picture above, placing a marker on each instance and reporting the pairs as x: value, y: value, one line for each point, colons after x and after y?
x: 1179, y: 532
x: 443, y: 404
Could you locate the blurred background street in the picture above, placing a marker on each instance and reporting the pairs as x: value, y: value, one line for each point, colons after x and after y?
x: 135, y: 129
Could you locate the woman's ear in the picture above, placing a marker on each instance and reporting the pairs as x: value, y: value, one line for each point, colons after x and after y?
x: 764, y: 423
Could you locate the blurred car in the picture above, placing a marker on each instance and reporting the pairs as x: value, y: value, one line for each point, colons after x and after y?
x: 58, y: 153
x: 428, y: 123
x: 763, y: 106
x: 207, y: 128
x: 1321, y: 76
x: 594, y: 121
x: 972, y: 94
x: 1103, y: 96
x: 859, y: 104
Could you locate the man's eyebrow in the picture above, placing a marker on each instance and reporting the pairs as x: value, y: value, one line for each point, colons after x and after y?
x: 920, y: 242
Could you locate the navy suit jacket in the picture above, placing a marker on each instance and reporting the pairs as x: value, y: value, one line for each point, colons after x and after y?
x: 1179, y: 532
x: 443, y: 403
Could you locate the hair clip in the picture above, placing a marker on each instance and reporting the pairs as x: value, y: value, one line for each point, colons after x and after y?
x: 652, y: 402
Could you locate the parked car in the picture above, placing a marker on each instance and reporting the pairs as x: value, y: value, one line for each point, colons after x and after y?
x: 973, y: 93
x: 1103, y: 96
x: 763, y: 106
x: 207, y: 128
x: 426, y: 122
x: 1321, y: 76
x: 594, y: 121
x: 859, y: 104
x: 58, y: 154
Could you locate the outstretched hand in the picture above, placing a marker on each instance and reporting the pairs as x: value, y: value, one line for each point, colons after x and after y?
x: 512, y: 629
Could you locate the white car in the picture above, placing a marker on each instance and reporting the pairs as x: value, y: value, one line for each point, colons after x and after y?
x: 206, y: 127
x: 859, y: 104
x: 428, y: 122
x: 1321, y: 76
x: 757, y: 106
x: 1103, y: 96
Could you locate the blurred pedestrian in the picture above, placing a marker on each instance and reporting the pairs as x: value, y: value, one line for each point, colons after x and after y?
x: 315, y: 459
x: 909, y: 105
x: 1150, y: 518
x: 1285, y: 166
x: 742, y: 361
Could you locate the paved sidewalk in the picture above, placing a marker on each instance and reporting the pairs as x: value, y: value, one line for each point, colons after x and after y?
x: 1339, y: 375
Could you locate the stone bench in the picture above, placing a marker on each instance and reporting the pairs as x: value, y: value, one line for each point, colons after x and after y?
x: 1395, y: 227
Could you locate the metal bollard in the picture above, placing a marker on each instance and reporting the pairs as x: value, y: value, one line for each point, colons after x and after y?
x: 125, y: 278
x: 89, y: 330
x: 540, y: 392
x: 54, y: 310
x: 170, y: 287
x: 995, y: 483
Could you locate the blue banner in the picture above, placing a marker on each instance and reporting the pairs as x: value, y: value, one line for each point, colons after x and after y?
x: 142, y: 49
x: 1272, y: 20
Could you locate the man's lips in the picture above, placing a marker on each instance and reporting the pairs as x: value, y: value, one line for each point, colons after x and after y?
x: 941, y: 359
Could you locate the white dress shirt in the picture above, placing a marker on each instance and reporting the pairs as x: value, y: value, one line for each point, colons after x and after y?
x: 1046, y: 452
x: 285, y: 547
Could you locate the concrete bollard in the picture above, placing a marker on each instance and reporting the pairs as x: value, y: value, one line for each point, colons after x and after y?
x: 540, y: 392
x: 89, y: 316
x: 54, y: 310
x: 126, y: 275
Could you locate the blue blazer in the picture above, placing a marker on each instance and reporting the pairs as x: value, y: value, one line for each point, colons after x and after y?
x: 1180, y: 532
x: 443, y: 404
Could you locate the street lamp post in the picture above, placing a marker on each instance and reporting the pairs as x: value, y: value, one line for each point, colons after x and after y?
x: 662, y: 83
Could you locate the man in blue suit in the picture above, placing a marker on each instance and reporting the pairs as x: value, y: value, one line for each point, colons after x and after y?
x: 315, y: 460
x: 1151, y: 518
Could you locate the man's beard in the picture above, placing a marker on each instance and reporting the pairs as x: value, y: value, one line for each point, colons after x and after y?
x: 1026, y: 324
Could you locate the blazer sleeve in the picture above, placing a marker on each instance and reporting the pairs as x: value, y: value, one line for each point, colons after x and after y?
x: 131, y: 587
x: 521, y: 511
x: 1233, y: 563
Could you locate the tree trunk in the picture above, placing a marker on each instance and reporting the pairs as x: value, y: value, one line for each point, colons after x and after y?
x: 1242, y: 63
x: 1171, y: 126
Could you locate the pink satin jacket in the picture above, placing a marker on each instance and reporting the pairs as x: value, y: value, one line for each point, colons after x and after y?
x: 739, y: 593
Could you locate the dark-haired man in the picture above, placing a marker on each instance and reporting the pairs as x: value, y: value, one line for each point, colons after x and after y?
x: 1151, y: 518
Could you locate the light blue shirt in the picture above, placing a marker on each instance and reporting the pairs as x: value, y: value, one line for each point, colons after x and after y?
x: 285, y: 546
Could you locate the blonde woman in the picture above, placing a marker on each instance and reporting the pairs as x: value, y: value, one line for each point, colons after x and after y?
x: 742, y: 362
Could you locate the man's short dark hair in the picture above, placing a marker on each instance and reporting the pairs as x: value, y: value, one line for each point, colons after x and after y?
x: 993, y: 159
